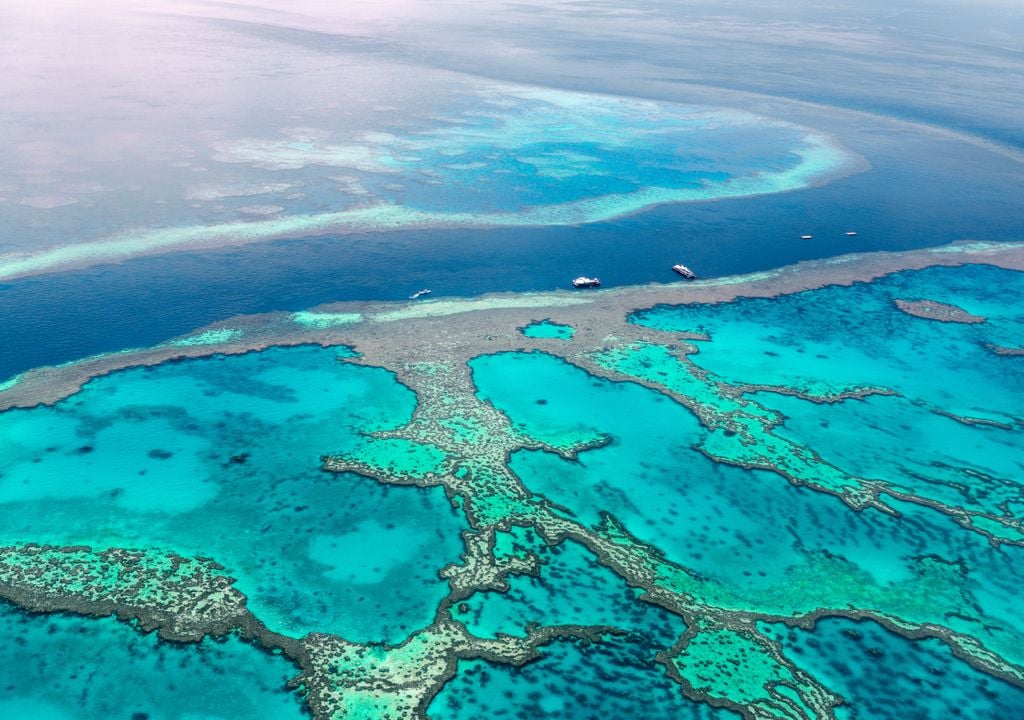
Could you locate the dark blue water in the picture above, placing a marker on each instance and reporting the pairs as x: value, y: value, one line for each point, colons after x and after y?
x: 919, y: 193
x: 883, y: 676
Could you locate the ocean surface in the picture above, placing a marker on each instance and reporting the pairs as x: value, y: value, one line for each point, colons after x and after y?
x: 193, y: 138
x: 794, y: 507
x: 222, y: 456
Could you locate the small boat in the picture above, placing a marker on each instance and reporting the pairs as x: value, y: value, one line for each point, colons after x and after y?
x: 586, y: 282
x: 850, y: 233
x: 806, y: 237
x: 685, y: 271
x: 419, y: 294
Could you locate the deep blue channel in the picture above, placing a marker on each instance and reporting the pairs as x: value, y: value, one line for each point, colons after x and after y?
x: 907, y: 200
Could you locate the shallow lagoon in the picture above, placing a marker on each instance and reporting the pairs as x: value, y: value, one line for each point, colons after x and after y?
x: 571, y: 681
x: 220, y: 457
x: 886, y: 677
x: 548, y: 330
x: 838, y: 338
x: 61, y: 667
x: 572, y: 589
x: 757, y: 541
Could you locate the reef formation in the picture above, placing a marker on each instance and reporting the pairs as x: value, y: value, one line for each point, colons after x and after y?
x: 498, y: 155
x: 721, y: 452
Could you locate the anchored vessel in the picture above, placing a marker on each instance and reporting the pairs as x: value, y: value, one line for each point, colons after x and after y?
x: 684, y: 271
x: 806, y: 237
x: 850, y: 233
x: 419, y: 293
x: 586, y: 282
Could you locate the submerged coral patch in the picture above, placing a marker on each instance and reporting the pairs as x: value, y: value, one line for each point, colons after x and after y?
x: 548, y: 330
x: 656, y: 507
x: 500, y: 156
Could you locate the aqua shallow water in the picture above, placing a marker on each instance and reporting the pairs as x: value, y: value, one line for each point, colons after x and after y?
x: 886, y: 677
x: 220, y: 457
x: 892, y: 439
x: 836, y: 338
x: 756, y: 541
x: 603, y: 680
x: 548, y: 330
x: 61, y: 667
x: 572, y: 590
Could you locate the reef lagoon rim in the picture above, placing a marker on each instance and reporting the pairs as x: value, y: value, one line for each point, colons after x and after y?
x: 537, y: 442
x: 490, y: 323
x: 508, y: 424
x: 506, y: 156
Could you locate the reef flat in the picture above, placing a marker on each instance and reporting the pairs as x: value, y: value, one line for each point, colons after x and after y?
x: 689, y: 480
x: 937, y: 311
x: 372, y: 322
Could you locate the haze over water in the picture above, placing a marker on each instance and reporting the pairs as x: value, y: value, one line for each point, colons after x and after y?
x: 790, y: 489
x: 140, y: 128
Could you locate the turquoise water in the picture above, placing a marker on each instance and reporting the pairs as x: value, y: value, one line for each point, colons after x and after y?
x: 837, y: 338
x: 61, y: 667
x: 546, y: 329
x: 923, y: 443
x: 636, y: 475
x: 756, y: 541
x: 578, y: 682
x: 220, y: 457
x: 485, y: 155
x: 572, y: 590
x: 886, y: 677
x: 892, y: 439
x: 604, y: 680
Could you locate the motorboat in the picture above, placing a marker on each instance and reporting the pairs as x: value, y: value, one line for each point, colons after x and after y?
x: 685, y: 271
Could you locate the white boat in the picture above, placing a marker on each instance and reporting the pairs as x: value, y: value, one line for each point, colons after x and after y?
x: 806, y: 237
x: 586, y: 282
x: 685, y: 271
x: 850, y: 233
x: 419, y: 294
